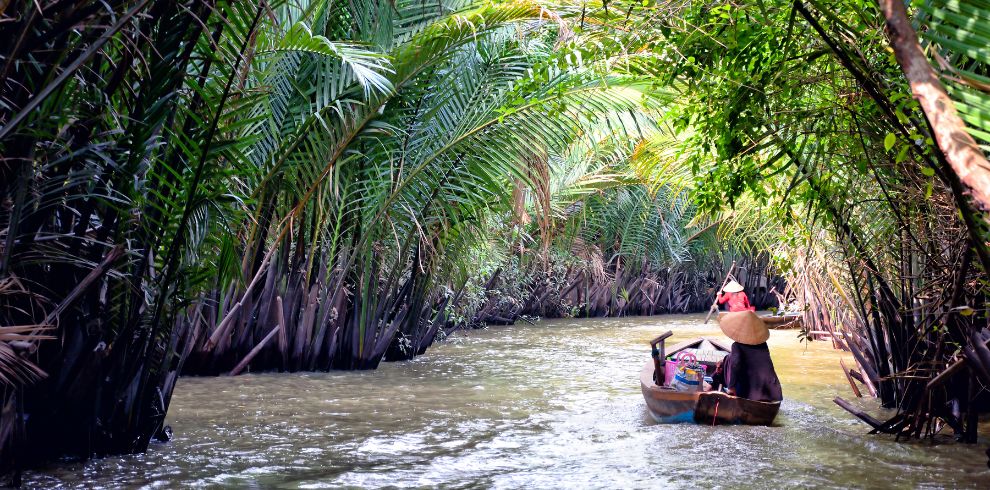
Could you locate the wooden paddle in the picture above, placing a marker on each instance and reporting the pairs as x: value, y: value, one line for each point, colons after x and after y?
x: 715, y: 303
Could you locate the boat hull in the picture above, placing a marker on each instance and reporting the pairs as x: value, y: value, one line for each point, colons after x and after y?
x: 667, y: 405
x: 720, y: 409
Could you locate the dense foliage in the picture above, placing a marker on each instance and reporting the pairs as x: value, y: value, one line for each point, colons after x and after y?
x: 803, y: 107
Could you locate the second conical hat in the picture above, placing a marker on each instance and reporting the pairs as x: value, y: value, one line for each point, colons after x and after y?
x: 744, y: 327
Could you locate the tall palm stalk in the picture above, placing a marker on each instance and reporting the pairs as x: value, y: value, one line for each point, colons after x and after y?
x: 114, y: 116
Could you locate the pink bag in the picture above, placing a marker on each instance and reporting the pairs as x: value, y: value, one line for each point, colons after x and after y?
x: 669, y: 370
x: 671, y: 366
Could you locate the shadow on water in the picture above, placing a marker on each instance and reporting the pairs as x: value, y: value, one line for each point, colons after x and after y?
x: 547, y: 406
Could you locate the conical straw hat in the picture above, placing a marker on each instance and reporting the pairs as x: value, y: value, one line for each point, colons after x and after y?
x: 732, y: 287
x: 744, y: 327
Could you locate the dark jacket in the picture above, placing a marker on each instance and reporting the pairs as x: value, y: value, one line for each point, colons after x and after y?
x: 751, y: 373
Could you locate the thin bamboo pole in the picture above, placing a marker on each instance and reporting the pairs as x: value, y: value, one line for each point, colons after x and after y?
x: 715, y: 301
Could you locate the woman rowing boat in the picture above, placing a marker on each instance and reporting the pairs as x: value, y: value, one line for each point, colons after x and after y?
x: 735, y: 297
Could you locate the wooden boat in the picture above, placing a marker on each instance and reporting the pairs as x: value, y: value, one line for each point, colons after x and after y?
x: 782, y: 322
x: 667, y: 405
x: 778, y: 322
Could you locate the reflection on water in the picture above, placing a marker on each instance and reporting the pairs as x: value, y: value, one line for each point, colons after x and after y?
x: 547, y: 406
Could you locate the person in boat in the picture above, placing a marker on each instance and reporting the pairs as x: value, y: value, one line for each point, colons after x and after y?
x: 718, y: 377
x: 736, y: 298
x: 748, y: 369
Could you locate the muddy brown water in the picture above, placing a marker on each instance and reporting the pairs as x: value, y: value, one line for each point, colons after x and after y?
x: 552, y: 405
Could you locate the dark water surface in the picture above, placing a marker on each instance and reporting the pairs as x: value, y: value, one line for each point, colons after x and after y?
x: 555, y: 405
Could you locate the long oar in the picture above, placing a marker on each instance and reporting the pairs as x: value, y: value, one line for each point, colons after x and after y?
x: 726, y: 281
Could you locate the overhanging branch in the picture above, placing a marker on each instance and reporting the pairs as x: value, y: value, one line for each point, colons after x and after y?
x: 961, y: 151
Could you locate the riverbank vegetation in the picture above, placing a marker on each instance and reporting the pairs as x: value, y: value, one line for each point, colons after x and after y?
x: 211, y: 187
x: 876, y: 187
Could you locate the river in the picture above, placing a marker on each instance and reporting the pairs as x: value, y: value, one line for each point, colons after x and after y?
x: 551, y: 405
